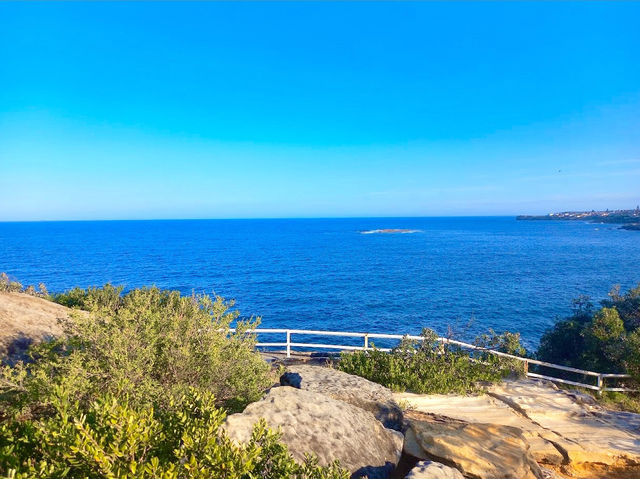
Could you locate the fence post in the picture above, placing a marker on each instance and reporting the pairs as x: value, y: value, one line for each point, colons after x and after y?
x: 288, y: 343
x: 526, y: 368
x: 366, y: 342
x: 600, y: 384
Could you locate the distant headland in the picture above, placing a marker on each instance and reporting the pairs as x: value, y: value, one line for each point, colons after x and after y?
x: 629, y: 219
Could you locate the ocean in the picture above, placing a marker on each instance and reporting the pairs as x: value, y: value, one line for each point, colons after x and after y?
x: 460, y: 274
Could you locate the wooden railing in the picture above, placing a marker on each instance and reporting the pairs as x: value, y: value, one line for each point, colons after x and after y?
x: 289, y: 344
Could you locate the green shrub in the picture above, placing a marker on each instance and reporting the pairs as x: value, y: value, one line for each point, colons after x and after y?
x: 605, y: 340
x: 136, y: 388
x: 150, y: 345
x: 112, y: 438
x: 507, y: 342
x: 107, y: 298
x: 426, y: 367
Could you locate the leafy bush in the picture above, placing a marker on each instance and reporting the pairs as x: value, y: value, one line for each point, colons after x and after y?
x: 603, y: 340
x: 111, y: 438
x: 107, y: 298
x: 427, y: 367
x: 151, y: 345
x: 507, y: 342
x: 134, y: 389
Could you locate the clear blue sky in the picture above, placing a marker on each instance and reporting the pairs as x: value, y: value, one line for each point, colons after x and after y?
x: 217, y: 110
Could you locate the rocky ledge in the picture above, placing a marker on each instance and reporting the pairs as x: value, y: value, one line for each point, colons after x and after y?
x: 520, y: 429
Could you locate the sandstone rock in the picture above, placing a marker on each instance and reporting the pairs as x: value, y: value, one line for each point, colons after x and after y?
x: 433, y: 470
x: 565, y: 429
x: 550, y: 474
x: 489, y: 410
x: 583, y: 430
x: 314, y: 423
x: 485, y: 451
x: 345, y: 387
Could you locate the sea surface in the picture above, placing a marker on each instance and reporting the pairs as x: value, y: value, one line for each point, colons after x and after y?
x: 464, y: 274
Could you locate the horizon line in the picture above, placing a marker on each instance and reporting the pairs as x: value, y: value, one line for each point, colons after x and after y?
x: 256, y: 218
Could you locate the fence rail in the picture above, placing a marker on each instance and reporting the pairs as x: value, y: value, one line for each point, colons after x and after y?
x: 289, y: 344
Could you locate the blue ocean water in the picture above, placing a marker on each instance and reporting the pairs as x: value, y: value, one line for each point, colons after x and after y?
x: 325, y: 274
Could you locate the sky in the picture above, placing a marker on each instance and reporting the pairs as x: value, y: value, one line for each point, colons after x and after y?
x: 250, y: 110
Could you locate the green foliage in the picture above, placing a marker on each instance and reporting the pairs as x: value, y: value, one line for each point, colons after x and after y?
x: 627, y: 305
x: 632, y: 354
x: 112, y: 438
x: 428, y: 367
x: 134, y: 389
x: 620, y: 401
x: 506, y: 342
x: 107, y: 298
x: 606, y: 326
x: 151, y: 345
x: 604, y: 340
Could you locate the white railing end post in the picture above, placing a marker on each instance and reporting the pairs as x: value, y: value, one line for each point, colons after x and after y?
x: 600, y: 384
x: 288, y: 343
x: 366, y: 341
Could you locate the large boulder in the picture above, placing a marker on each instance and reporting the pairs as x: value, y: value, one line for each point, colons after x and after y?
x: 314, y: 423
x: 484, y: 451
x: 345, y: 387
x: 433, y: 470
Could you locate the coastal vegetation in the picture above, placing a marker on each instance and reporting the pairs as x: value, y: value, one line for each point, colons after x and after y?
x: 600, y: 339
x: 604, y: 339
x: 139, y: 383
x: 431, y: 367
x: 138, y: 386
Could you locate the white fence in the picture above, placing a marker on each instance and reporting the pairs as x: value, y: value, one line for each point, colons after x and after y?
x: 289, y: 344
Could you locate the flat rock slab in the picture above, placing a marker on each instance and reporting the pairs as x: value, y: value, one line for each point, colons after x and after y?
x: 345, y: 387
x: 311, y: 422
x: 483, y: 451
x: 433, y: 470
x: 564, y: 428
x: 588, y: 432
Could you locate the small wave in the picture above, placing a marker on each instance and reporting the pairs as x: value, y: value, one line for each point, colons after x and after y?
x: 389, y: 231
